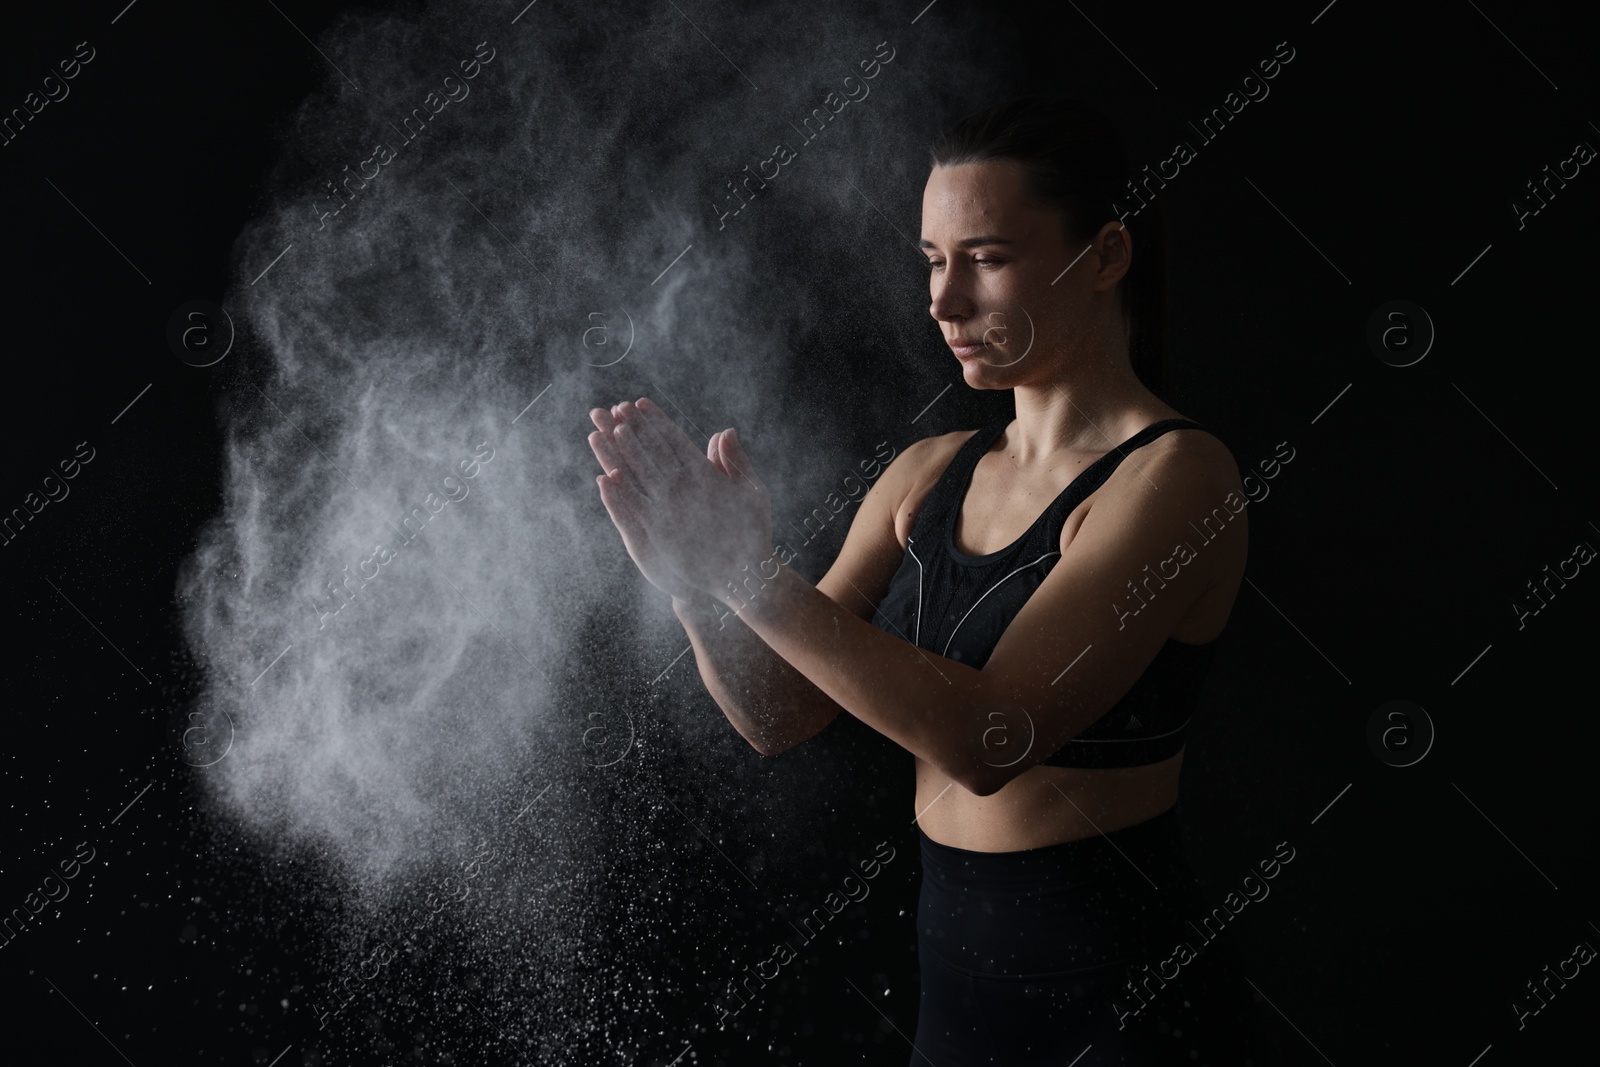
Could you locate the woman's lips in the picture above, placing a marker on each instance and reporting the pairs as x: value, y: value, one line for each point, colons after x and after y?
x: 966, y: 350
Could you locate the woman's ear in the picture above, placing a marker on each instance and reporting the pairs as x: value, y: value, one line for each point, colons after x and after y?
x: 1118, y: 243
x: 1116, y: 250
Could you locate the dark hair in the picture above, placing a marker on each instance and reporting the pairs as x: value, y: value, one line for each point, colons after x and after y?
x: 1075, y: 160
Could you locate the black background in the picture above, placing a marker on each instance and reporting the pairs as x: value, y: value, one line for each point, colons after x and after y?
x: 1384, y: 561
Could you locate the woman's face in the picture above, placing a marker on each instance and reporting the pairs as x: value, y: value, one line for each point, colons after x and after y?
x: 998, y: 275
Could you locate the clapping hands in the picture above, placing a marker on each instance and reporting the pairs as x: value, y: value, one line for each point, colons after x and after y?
x: 689, y: 521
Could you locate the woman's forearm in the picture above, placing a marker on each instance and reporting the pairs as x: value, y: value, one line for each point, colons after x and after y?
x: 933, y: 707
x: 772, y: 705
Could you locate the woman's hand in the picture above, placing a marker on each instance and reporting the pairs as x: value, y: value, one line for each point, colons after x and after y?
x: 621, y: 505
x: 691, y: 523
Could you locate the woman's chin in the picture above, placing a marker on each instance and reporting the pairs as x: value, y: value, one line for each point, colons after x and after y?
x: 975, y: 374
x: 981, y: 375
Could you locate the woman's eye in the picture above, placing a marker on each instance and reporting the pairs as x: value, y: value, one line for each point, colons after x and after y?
x: 934, y: 265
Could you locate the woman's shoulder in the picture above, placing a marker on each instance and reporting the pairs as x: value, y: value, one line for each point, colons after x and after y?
x: 912, y: 474
x: 1169, y: 474
x: 924, y: 460
x: 939, y: 447
x: 1193, y: 446
x: 1182, y: 469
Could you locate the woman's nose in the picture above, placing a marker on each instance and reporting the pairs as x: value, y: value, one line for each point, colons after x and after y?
x: 948, y: 301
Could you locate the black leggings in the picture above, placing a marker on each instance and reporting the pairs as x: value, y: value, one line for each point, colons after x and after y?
x: 1026, y: 958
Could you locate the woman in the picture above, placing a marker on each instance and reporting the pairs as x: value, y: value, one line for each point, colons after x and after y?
x: 1028, y: 609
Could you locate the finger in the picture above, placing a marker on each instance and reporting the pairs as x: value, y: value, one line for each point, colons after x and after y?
x: 624, y: 502
x: 651, y: 442
x: 673, y: 451
x: 620, y: 506
x: 666, y: 445
x: 604, y: 421
x: 639, y: 466
x: 714, y: 453
x: 605, y: 451
x: 668, y: 432
x: 734, y: 455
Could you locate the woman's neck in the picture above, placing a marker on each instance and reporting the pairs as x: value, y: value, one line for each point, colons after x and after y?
x: 1091, y: 409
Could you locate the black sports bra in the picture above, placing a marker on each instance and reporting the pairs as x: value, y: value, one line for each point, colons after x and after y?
x: 957, y: 606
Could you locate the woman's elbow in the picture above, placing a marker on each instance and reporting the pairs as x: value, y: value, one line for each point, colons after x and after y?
x: 769, y: 748
x: 763, y: 745
x: 986, y: 787
x: 775, y: 746
x: 756, y: 734
x: 770, y: 744
x: 983, y: 780
x: 792, y: 732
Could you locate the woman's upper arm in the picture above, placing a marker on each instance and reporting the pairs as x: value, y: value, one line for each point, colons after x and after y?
x: 872, y: 552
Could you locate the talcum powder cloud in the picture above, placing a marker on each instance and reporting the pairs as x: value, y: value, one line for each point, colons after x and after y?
x: 406, y: 660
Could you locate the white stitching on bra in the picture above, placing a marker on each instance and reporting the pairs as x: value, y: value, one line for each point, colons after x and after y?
x: 989, y: 590
x: 917, y: 635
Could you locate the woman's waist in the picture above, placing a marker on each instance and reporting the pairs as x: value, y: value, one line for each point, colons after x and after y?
x: 1045, y: 806
x: 1125, y: 875
x: 1077, y: 906
x: 1064, y: 865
